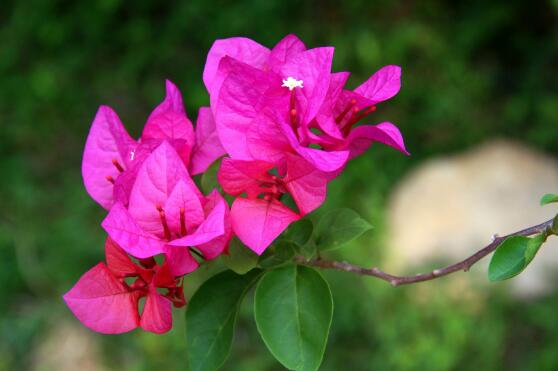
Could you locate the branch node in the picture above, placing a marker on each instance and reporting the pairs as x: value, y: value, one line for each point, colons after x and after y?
x: 394, y: 283
x: 437, y: 272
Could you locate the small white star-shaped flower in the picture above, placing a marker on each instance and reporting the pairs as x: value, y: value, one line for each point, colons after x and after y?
x: 292, y: 83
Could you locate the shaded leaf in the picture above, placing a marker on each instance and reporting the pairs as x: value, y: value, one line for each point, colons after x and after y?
x: 211, y: 316
x: 240, y: 258
x: 339, y: 227
x: 299, y: 232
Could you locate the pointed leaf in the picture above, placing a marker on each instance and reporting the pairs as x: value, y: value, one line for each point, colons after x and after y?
x: 240, y: 258
x: 299, y: 232
x: 211, y: 317
x: 513, y: 255
x: 548, y: 198
x: 339, y: 227
x: 293, y: 309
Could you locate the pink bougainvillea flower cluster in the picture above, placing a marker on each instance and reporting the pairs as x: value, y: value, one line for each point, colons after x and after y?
x: 154, y: 209
x: 286, y: 125
x: 284, y: 111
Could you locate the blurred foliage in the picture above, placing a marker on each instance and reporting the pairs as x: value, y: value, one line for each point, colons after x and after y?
x: 472, y: 70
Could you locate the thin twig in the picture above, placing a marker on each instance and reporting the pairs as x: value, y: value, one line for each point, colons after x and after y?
x: 463, y: 265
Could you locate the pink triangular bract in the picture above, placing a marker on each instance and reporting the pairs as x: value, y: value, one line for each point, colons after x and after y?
x: 208, y: 147
x: 258, y: 222
x: 157, y: 313
x: 103, y: 303
x: 123, y: 229
x: 107, y: 143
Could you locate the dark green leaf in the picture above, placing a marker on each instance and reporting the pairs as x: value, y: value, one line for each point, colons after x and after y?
x: 339, y: 227
x: 240, y: 258
x: 548, y: 198
x: 211, y: 316
x: 280, y: 253
x: 209, y: 178
x: 293, y: 310
x: 299, y: 232
x: 513, y: 255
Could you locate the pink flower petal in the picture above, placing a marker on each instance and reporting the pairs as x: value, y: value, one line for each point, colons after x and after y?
x: 258, y: 222
x: 118, y: 261
x: 307, y: 185
x: 156, y: 179
x: 239, y: 176
x: 326, y: 161
x: 382, y: 85
x: 176, y: 129
x: 180, y: 260
x: 212, y: 227
x: 123, y: 229
x: 267, y: 140
x: 172, y: 103
x: 125, y: 182
x: 361, y: 137
x: 218, y: 245
x: 313, y: 67
x: 208, y: 147
x: 239, y: 48
x: 285, y: 49
x: 157, y: 313
x: 241, y: 98
x: 185, y: 198
x: 103, y: 303
x: 107, y: 142
x: 168, y: 121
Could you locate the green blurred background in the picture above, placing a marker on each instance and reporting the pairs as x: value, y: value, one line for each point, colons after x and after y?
x: 472, y: 70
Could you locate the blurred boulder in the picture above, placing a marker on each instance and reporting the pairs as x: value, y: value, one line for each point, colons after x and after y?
x: 448, y: 208
x: 68, y: 346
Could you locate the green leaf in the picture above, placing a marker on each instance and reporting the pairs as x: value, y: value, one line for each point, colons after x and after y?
x: 293, y: 309
x: 299, y: 232
x: 280, y: 253
x: 209, y: 178
x: 240, y: 258
x: 548, y: 198
x: 211, y: 316
x: 339, y: 227
x: 513, y: 255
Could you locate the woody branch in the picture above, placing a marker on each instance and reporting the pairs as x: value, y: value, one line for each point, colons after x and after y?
x: 394, y: 280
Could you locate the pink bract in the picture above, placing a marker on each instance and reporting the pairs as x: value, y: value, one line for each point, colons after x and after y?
x: 269, y: 217
x: 111, y: 157
x: 104, y: 302
x: 168, y: 214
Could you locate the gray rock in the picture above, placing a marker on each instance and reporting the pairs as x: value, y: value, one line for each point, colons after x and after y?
x: 447, y: 208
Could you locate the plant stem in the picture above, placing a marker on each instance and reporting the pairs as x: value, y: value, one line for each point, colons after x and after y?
x: 394, y: 280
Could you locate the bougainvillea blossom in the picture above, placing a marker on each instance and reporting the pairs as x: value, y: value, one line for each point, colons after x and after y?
x: 167, y: 214
x: 103, y: 301
x: 258, y: 221
x: 111, y: 157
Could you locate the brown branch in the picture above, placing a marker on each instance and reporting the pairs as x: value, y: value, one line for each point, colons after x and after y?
x: 463, y: 265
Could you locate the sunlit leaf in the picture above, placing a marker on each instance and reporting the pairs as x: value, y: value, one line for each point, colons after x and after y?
x: 293, y: 309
